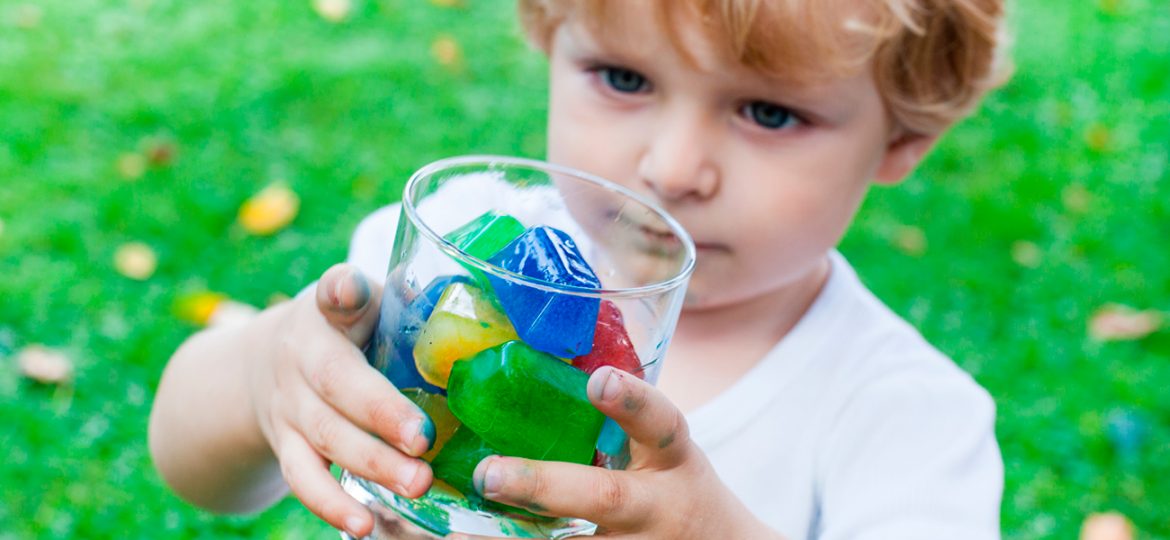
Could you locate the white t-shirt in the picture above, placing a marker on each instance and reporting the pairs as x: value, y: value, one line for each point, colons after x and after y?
x: 851, y: 427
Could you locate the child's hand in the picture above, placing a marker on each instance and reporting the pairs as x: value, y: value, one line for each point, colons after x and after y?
x: 318, y: 401
x: 669, y: 490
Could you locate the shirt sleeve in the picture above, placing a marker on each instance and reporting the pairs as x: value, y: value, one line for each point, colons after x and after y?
x: 373, y: 242
x: 912, y: 457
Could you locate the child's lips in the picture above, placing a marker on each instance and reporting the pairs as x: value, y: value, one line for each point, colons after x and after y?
x: 711, y: 247
x: 664, y: 238
x: 669, y: 238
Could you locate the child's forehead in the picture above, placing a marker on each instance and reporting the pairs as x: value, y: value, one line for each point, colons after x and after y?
x: 801, y: 42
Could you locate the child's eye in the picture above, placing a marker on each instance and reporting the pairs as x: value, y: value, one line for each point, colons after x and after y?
x: 770, y: 115
x: 624, y: 80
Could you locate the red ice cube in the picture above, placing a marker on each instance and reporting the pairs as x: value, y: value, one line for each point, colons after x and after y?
x: 611, y: 344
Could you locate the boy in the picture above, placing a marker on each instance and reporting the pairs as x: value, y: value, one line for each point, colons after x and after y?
x: 793, y: 404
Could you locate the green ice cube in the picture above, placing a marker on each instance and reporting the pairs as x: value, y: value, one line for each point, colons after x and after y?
x: 484, y: 236
x: 525, y: 403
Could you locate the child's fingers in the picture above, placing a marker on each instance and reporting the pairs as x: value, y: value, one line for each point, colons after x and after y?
x: 345, y: 381
x: 338, y: 440
x: 611, y: 499
x: 307, y: 475
x: 646, y: 415
x: 349, y: 301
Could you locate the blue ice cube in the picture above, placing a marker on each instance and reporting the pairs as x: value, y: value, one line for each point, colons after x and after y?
x: 558, y: 324
x: 392, y: 347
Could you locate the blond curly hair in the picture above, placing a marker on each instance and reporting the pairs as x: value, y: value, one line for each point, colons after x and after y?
x: 932, y: 60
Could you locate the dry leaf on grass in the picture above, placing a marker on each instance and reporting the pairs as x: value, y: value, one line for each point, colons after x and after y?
x: 1107, y: 526
x: 160, y: 151
x: 131, y: 165
x: 206, y: 308
x: 270, y: 210
x: 45, y: 365
x: 1027, y: 254
x: 135, y: 260
x: 197, y: 308
x: 333, y: 11
x: 1076, y: 198
x: 910, y: 240
x: 1123, y: 323
x: 1097, y: 137
x: 27, y: 16
x: 447, y: 51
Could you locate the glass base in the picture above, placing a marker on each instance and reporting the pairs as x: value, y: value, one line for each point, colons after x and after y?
x: 442, y: 510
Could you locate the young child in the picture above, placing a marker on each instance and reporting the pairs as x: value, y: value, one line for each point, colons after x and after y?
x: 793, y: 404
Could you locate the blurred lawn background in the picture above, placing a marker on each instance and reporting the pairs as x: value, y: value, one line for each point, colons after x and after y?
x: 152, y: 121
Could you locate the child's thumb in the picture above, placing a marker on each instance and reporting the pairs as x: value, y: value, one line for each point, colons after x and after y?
x: 349, y: 301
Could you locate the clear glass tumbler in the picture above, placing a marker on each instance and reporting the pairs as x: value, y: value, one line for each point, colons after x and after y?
x: 510, y: 281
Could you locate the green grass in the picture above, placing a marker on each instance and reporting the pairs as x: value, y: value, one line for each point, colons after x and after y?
x: 251, y: 92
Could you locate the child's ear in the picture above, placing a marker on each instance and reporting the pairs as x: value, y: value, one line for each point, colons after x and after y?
x: 904, y: 153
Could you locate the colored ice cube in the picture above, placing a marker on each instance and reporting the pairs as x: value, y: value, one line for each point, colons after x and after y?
x: 612, y: 451
x: 484, y: 236
x: 526, y: 403
x: 436, y: 408
x: 456, y: 463
x: 611, y: 344
x: 398, y: 365
x: 556, y: 323
x: 464, y: 322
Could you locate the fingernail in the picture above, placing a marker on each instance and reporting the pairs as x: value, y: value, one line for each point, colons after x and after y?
x: 488, y: 478
x: 406, y: 475
x: 428, y: 431
x: 409, y: 433
x: 335, y: 298
x: 612, y: 386
x: 353, y: 526
x: 361, y: 288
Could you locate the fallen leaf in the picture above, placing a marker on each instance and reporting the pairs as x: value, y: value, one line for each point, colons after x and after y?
x: 1107, y: 526
x: 1076, y: 198
x: 270, y: 210
x: 1122, y: 323
x: 1112, y: 7
x: 448, y: 3
x: 1097, y: 137
x: 45, y: 365
x: 198, y: 307
x: 28, y: 16
x: 1026, y: 254
x: 135, y: 260
x: 131, y: 165
x: 160, y: 151
x: 910, y: 240
x: 447, y: 51
x: 333, y: 11
x: 231, y: 313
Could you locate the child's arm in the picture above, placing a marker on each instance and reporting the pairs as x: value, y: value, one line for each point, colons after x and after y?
x: 245, y: 413
x: 669, y: 490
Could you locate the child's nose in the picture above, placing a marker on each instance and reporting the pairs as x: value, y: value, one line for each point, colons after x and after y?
x: 677, y: 163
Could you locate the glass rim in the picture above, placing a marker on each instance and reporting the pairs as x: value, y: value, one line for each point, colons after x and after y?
x: 451, y: 249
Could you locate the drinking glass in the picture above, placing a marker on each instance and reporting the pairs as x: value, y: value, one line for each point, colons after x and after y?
x: 510, y: 280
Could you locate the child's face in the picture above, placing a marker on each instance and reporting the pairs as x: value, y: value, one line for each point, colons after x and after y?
x: 764, y: 175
